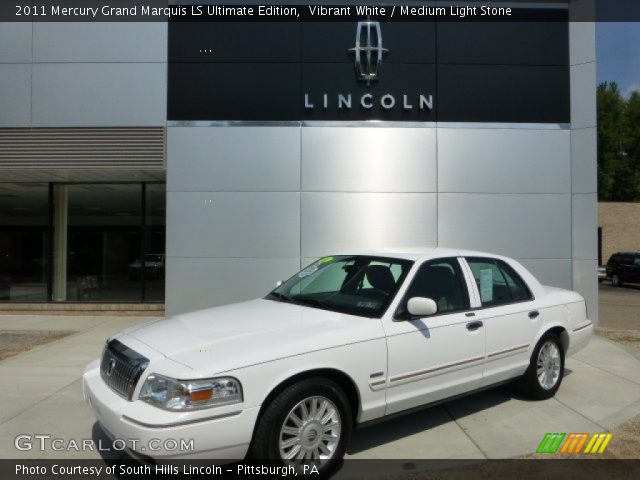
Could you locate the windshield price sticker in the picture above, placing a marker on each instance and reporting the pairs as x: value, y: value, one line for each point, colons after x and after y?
x: 368, y: 304
x: 308, y: 271
x: 486, y: 285
x: 325, y: 260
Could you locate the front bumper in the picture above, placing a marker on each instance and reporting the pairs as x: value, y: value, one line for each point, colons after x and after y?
x: 217, y: 433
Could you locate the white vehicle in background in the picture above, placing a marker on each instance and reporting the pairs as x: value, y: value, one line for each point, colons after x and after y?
x: 349, y: 339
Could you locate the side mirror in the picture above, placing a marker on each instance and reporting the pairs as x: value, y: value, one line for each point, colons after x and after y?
x: 278, y: 283
x: 421, y: 307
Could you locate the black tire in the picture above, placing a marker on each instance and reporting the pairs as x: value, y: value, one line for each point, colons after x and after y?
x: 266, y: 439
x: 615, y: 280
x: 529, y: 384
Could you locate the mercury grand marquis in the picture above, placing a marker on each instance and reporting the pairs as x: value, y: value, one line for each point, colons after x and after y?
x: 349, y: 339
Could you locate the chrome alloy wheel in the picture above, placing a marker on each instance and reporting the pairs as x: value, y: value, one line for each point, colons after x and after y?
x: 311, y: 430
x: 548, y: 365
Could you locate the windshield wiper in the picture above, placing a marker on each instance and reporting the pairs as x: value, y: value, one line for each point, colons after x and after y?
x: 310, y: 301
x: 280, y: 296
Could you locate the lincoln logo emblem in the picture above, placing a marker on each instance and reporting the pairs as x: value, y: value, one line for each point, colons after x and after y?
x: 368, y: 50
x: 110, y: 367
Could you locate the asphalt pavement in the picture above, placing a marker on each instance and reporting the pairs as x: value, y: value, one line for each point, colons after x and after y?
x: 619, y: 307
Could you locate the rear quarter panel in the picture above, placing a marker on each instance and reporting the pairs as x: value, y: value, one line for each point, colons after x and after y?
x: 565, y: 309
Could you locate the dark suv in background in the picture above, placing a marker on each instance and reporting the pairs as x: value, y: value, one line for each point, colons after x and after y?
x: 624, y: 267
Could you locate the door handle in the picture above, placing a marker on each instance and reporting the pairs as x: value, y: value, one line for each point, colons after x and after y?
x: 534, y: 314
x: 473, y: 326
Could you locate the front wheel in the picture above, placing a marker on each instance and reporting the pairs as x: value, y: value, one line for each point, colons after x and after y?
x: 309, y: 422
x: 544, y: 375
x: 615, y: 281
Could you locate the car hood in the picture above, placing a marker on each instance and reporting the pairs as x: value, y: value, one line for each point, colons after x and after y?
x: 233, y: 336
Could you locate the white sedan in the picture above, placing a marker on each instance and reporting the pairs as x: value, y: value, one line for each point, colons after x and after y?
x: 349, y: 339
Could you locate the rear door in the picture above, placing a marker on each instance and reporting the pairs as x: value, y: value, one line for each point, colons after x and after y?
x: 439, y: 356
x: 509, y: 315
x: 625, y: 265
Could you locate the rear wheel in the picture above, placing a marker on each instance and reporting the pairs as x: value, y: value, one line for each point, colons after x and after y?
x: 615, y: 280
x: 544, y: 375
x: 309, y: 422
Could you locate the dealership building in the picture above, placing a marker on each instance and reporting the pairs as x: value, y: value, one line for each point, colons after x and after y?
x: 196, y: 164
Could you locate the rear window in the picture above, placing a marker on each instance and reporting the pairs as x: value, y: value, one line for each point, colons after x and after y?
x: 497, y: 282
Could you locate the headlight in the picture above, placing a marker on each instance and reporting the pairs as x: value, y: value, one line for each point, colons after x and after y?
x: 181, y: 395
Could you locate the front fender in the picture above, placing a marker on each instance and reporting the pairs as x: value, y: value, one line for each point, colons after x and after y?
x: 356, y: 361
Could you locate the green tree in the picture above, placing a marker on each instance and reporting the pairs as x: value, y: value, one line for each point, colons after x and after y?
x: 618, y: 144
x: 610, y: 113
x: 628, y: 178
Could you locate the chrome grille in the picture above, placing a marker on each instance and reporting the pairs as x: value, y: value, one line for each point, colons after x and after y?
x: 121, y: 368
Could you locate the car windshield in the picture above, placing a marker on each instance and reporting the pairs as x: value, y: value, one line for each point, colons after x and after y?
x: 356, y: 285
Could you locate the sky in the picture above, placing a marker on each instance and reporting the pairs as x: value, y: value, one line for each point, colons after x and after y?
x: 618, y: 54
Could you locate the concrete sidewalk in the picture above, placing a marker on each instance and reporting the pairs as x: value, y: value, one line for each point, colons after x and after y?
x: 601, y: 389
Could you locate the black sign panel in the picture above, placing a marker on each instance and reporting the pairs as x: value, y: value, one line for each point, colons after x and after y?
x: 503, y: 93
x: 405, y: 71
x: 234, y: 91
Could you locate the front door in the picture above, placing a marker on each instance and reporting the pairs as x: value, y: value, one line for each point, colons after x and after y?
x: 435, y: 357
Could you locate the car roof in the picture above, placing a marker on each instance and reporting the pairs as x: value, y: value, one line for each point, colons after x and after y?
x: 419, y: 253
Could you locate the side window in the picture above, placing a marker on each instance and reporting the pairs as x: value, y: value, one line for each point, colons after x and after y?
x: 442, y: 281
x: 625, y: 260
x: 497, y: 282
x: 519, y: 290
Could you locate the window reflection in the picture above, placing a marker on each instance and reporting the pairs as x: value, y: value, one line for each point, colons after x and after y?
x: 155, y: 222
x: 104, y: 234
x: 82, y: 242
x: 24, y: 241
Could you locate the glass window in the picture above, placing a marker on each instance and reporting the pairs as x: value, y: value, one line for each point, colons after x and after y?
x: 497, y: 282
x: 155, y: 222
x: 358, y: 285
x: 82, y: 242
x: 104, y: 239
x: 519, y: 290
x: 24, y: 242
x: 626, y: 260
x: 443, y: 282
